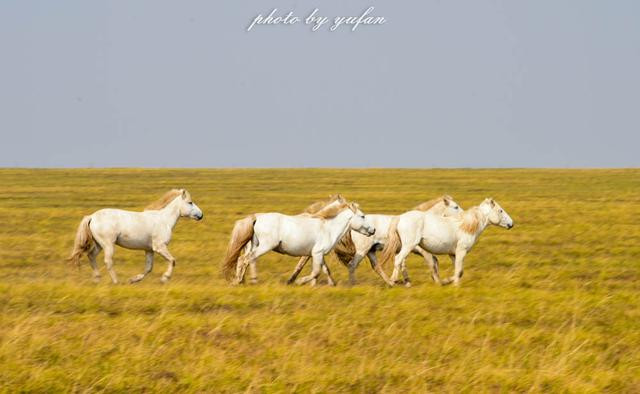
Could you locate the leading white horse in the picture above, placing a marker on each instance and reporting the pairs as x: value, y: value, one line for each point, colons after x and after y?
x: 302, y: 235
x: 149, y: 231
x: 438, y: 234
x: 353, y: 247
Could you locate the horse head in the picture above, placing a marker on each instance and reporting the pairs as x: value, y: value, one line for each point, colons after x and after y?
x: 496, y: 214
x: 359, y: 221
x: 187, y: 207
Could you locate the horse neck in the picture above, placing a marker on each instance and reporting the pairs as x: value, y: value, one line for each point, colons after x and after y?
x: 338, y: 225
x: 438, y: 209
x: 171, y: 213
x: 481, y: 216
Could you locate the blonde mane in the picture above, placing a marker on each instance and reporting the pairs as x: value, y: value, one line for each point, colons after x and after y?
x: 319, y: 205
x: 470, y: 221
x: 427, y: 205
x: 330, y: 212
x: 164, y: 200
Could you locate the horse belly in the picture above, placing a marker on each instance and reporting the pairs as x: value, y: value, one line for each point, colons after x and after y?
x: 131, y: 241
x: 438, y: 239
x: 436, y: 246
x: 295, y: 247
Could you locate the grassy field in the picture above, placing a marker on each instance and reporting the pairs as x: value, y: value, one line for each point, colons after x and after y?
x: 551, y: 305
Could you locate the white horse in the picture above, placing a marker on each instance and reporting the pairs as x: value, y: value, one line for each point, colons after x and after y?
x: 438, y: 234
x: 302, y: 235
x: 149, y: 231
x: 353, y: 247
x: 333, y: 200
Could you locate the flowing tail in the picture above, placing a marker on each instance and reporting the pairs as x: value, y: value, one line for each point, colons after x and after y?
x: 345, y: 249
x: 393, y: 242
x: 83, y: 243
x: 240, y: 236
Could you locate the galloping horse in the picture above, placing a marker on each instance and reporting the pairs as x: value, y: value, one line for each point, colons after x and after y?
x: 312, y: 235
x: 438, y: 234
x: 333, y: 200
x: 149, y: 231
x: 352, y: 248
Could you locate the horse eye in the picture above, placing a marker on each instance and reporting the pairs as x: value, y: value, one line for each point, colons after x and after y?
x: 501, y: 211
x: 190, y: 202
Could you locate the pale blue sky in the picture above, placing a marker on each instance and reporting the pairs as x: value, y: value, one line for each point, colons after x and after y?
x: 441, y: 84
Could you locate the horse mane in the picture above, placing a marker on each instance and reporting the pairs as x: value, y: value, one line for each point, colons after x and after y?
x: 470, y: 221
x: 319, y: 205
x: 164, y: 200
x: 427, y: 205
x: 345, y: 249
x: 329, y: 212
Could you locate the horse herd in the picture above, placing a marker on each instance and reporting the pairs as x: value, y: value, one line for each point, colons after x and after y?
x: 436, y: 227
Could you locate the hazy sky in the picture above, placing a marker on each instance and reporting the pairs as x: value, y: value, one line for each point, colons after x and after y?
x: 444, y: 83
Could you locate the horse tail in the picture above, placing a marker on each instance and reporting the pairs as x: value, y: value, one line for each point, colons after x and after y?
x: 345, y: 249
x: 393, y: 242
x: 240, y: 236
x: 83, y: 243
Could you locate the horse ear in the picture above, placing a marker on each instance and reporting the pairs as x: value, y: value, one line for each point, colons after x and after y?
x: 184, y: 193
x: 446, y: 201
x: 492, y: 202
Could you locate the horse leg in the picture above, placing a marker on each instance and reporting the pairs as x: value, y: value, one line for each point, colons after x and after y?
x: 325, y: 269
x: 301, y: 263
x: 448, y: 281
x: 171, y: 261
x: 148, y: 266
x: 93, y: 254
x: 398, y: 264
x: 376, y: 267
x: 250, y: 258
x: 432, y: 263
x: 353, y: 265
x: 458, y: 269
x: 253, y: 272
x: 318, y: 261
x: 108, y: 261
x: 405, y: 274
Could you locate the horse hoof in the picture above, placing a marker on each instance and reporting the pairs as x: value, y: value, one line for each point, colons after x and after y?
x: 134, y: 279
x: 407, y: 284
x: 253, y: 281
x: 164, y: 280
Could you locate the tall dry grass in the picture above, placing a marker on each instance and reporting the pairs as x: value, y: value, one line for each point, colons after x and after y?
x: 551, y: 305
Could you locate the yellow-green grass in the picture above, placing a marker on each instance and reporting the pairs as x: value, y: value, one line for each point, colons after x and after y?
x: 551, y: 305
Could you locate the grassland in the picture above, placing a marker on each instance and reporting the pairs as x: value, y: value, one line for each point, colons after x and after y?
x: 552, y: 305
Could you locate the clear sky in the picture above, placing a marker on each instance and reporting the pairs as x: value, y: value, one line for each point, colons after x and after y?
x: 444, y: 83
